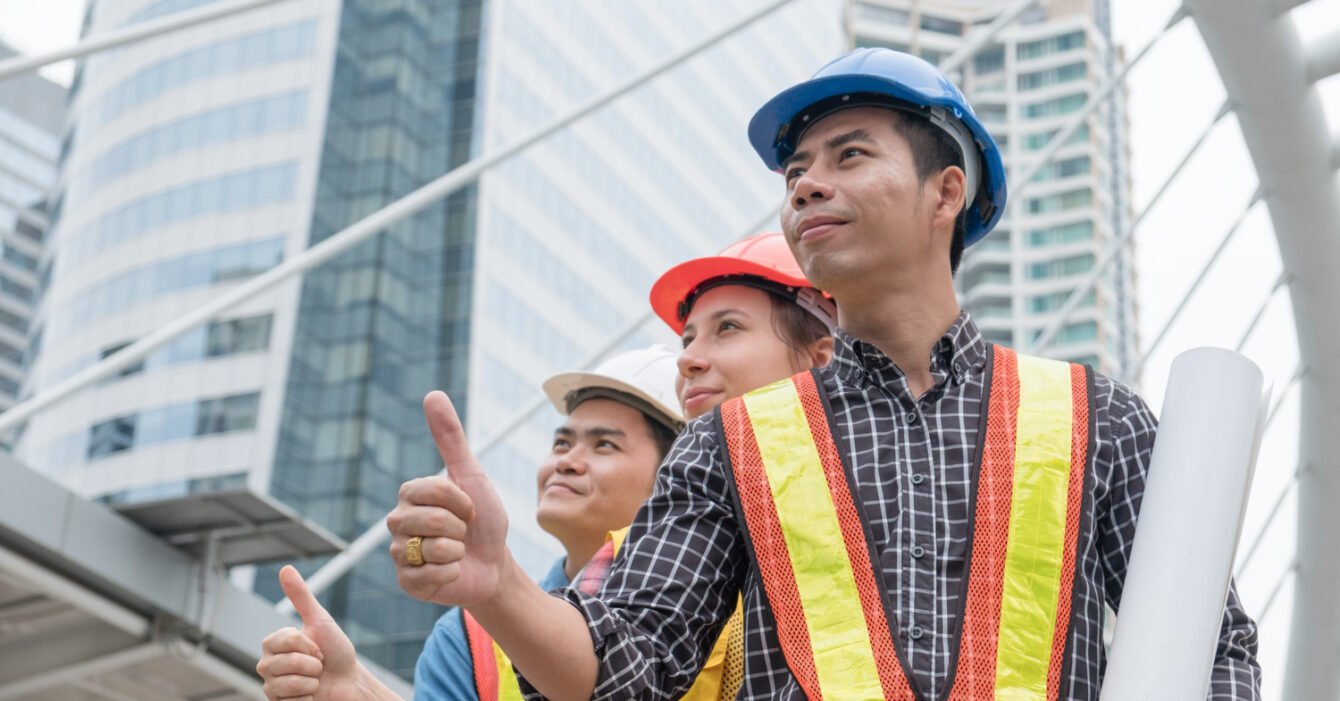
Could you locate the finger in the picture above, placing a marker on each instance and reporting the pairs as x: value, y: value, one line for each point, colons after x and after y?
x: 291, y: 686
x: 441, y: 492
x: 304, y: 602
x: 289, y: 640
x: 429, y: 522
x: 442, y: 551
x: 424, y: 582
x: 449, y: 435
x: 289, y: 663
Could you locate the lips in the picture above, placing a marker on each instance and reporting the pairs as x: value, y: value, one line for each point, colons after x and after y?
x: 817, y: 225
x: 561, y: 487
x: 698, y: 396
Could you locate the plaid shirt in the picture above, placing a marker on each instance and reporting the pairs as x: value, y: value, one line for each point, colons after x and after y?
x: 674, y: 583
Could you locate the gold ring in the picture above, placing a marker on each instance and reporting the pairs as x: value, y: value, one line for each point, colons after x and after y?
x: 414, y: 551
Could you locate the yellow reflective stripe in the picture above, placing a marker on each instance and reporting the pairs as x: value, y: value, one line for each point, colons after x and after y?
x: 508, y: 688
x: 1033, y: 556
x: 843, y: 659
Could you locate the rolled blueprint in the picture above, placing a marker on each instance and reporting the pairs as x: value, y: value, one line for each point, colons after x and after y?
x: 1182, y: 558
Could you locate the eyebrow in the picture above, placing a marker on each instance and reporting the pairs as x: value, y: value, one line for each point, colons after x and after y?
x: 718, y: 315
x: 593, y: 432
x: 838, y: 141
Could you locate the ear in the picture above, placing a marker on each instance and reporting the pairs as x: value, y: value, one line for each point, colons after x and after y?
x: 822, y: 352
x: 950, y: 188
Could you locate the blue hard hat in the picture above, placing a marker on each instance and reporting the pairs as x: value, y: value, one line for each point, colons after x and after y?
x: 893, y: 79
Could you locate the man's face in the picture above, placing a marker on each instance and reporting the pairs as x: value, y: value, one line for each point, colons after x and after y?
x: 855, y: 207
x: 600, y: 469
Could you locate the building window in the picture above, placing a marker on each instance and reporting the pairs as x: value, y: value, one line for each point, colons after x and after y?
x: 1068, y: 168
x: 1057, y: 106
x: 175, y: 422
x: 989, y: 60
x: 992, y: 113
x: 1049, y: 303
x: 10, y: 353
x: 251, y: 51
x: 1036, y: 142
x: 1050, y: 45
x: 187, y: 272
x: 941, y: 25
x: 232, y: 123
x: 1064, y: 267
x: 1061, y: 201
x: 232, y: 192
x: 882, y: 15
x: 1053, y: 76
x: 1061, y: 234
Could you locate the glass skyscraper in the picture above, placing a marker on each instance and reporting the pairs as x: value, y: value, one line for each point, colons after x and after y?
x: 32, y: 113
x: 202, y: 158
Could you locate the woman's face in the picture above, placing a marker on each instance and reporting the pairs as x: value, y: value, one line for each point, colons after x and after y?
x: 730, y: 347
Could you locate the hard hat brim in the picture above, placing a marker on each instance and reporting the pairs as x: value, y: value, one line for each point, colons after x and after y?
x: 558, y: 387
x: 675, y: 285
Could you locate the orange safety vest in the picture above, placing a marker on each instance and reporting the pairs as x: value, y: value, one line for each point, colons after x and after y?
x: 488, y: 658
x: 831, y: 607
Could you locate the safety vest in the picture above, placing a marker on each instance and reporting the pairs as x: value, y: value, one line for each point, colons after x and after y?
x: 488, y: 658
x: 814, y: 557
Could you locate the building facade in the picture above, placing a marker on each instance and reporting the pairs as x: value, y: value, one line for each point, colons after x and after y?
x: 32, y: 114
x: 1025, y: 87
x: 197, y: 160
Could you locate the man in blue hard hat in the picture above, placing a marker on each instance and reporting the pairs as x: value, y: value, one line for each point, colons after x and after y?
x: 929, y: 517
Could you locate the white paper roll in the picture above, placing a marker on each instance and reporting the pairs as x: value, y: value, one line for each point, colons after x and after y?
x: 1182, y: 558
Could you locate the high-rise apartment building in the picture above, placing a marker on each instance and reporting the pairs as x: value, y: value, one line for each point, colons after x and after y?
x: 32, y: 114
x: 1025, y: 86
x: 199, y: 159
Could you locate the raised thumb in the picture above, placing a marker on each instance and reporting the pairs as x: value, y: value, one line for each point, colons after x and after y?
x: 449, y: 436
x: 304, y: 603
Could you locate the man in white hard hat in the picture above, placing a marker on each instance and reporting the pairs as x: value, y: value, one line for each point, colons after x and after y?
x: 621, y: 420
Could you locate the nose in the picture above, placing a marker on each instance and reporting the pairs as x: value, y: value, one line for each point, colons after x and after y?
x: 809, y: 188
x: 691, y: 361
x: 572, y: 462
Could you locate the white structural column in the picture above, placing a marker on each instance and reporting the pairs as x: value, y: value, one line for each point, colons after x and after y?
x: 1265, y: 70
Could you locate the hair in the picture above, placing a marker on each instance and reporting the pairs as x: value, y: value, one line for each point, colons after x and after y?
x: 932, y: 151
x: 797, y: 328
x: 661, y: 435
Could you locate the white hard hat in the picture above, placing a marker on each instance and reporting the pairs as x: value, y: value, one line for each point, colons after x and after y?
x: 643, y: 379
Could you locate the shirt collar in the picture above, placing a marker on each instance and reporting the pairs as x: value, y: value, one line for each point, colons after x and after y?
x: 958, y: 355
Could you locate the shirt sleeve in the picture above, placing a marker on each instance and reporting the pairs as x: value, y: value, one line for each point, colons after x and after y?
x: 674, y: 583
x: 1126, y: 431
x: 444, y: 671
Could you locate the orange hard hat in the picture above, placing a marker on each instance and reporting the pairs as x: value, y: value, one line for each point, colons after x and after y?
x: 762, y: 260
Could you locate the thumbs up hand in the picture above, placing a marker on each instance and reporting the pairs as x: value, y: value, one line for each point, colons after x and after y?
x: 449, y: 531
x: 317, y: 662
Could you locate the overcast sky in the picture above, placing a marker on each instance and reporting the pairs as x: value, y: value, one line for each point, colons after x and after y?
x: 1174, y: 94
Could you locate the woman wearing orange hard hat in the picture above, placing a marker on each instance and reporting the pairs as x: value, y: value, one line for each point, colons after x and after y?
x: 747, y: 317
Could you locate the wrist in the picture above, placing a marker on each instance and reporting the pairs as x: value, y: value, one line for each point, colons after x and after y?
x: 513, y: 584
x: 370, y: 687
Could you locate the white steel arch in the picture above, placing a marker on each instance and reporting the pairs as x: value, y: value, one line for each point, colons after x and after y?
x: 1269, y: 76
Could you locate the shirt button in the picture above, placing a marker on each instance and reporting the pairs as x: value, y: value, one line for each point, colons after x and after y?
x: 918, y: 478
x: 916, y: 632
x: 918, y: 552
x: 911, y: 418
